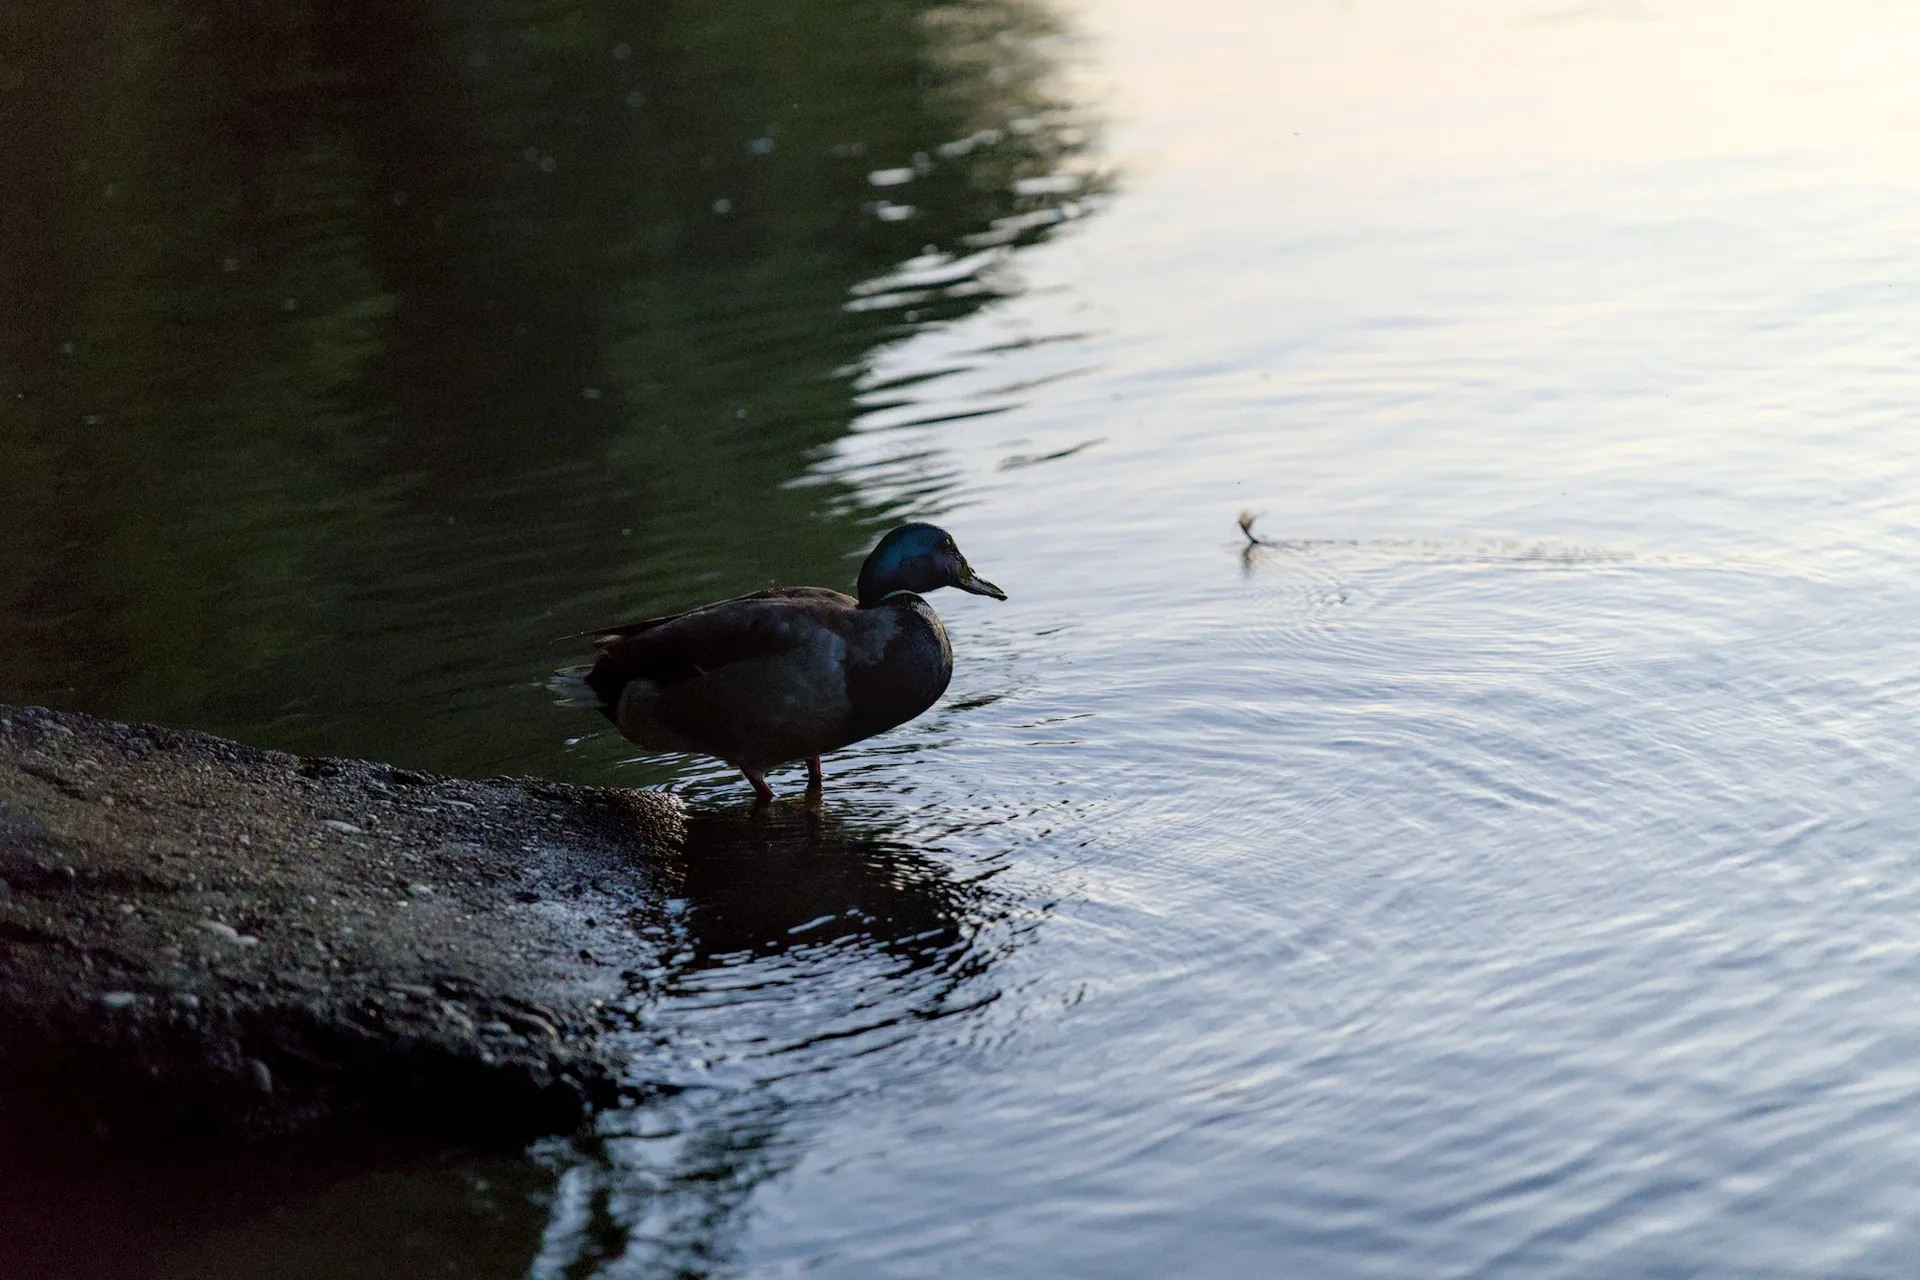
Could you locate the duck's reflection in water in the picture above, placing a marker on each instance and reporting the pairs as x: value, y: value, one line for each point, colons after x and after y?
x: 811, y: 958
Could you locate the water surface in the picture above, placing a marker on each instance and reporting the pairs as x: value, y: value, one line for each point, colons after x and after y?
x: 1507, y: 870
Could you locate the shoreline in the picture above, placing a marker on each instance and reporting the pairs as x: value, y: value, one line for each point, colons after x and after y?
x: 199, y: 938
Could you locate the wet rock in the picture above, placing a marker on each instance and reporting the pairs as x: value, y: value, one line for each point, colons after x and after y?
x: 219, y: 951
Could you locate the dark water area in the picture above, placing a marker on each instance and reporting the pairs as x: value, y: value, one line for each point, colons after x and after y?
x: 353, y: 353
x: 305, y: 1211
x: 356, y: 352
x: 1507, y: 868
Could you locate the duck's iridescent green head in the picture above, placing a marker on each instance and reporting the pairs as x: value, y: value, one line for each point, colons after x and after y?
x: 919, y: 557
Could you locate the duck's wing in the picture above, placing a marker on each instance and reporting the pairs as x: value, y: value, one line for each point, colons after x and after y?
x: 605, y: 637
x: 687, y: 645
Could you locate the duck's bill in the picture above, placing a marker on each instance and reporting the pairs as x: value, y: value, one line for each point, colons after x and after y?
x: 979, y: 586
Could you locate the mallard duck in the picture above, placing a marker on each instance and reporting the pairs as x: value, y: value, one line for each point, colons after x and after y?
x: 786, y: 674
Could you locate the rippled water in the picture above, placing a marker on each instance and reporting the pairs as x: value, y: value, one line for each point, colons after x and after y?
x: 1510, y: 868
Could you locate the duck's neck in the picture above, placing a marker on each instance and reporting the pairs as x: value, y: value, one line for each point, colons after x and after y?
x: 877, y: 598
x: 877, y: 582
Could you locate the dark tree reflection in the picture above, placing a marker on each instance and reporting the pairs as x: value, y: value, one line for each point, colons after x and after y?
x: 353, y: 351
x: 358, y: 349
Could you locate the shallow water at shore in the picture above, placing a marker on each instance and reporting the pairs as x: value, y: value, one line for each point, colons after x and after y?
x: 1506, y: 869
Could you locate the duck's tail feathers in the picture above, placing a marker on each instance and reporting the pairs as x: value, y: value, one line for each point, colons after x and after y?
x: 570, y: 688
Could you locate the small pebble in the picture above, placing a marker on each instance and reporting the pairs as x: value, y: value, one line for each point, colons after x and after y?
x: 420, y: 890
x: 496, y: 1028
x: 262, y: 1075
x: 344, y: 828
x: 220, y: 930
x: 186, y: 999
x: 119, y: 999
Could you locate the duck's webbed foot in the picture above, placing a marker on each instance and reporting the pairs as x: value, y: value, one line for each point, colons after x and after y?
x: 815, y: 778
x: 762, y: 793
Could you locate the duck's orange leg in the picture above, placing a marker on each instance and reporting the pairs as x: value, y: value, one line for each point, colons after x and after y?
x: 762, y: 793
x: 815, y: 779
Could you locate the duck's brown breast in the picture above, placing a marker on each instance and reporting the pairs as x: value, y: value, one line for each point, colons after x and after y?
x: 898, y: 664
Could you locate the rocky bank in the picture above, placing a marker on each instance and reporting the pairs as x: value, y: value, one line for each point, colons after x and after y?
x: 201, y: 938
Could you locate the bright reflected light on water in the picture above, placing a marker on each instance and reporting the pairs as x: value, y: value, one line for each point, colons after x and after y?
x: 1506, y: 873
x: 1383, y: 94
